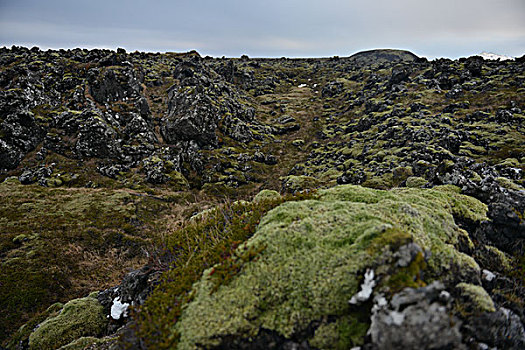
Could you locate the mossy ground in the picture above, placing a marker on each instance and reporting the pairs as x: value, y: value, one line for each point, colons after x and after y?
x: 59, y: 243
x: 78, y: 318
x: 196, y: 246
x: 304, y: 262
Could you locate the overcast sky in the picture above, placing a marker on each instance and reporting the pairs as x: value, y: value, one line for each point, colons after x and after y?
x: 269, y: 28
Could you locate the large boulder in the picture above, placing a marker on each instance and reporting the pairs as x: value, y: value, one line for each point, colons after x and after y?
x: 96, y: 138
x: 114, y: 84
x: 202, y: 105
x: 19, y: 135
x: 300, y: 275
x: 191, y: 116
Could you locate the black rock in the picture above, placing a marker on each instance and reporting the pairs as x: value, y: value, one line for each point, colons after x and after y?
x: 399, y: 74
x: 332, y: 89
x: 501, y: 329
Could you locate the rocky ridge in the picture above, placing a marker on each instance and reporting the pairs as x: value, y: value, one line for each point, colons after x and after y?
x: 160, y: 137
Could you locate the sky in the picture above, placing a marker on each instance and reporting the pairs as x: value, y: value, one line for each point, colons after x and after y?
x: 269, y: 28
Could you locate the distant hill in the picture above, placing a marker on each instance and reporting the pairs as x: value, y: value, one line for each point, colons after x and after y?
x: 382, y: 56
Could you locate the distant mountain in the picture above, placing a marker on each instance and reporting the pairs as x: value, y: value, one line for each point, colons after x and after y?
x: 494, y: 56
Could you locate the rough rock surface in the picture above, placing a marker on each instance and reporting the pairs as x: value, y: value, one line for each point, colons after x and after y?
x: 416, y: 319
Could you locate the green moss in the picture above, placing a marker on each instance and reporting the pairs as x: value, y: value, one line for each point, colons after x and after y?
x: 493, y: 259
x: 22, y: 335
x: 54, y: 182
x: 198, y: 246
x: 313, y: 253
x: 20, y: 238
x: 79, y: 317
x: 400, y: 174
x: 357, y: 194
x: 329, y: 177
x: 510, y: 162
x: 177, y: 181
x: 471, y: 150
x: 409, y: 276
x: 476, y: 298
x: 298, y: 143
x: 475, y: 177
x: 383, y: 182
x: 218, y: 189
x: 345, y: 333
x: 80, y: 343
x: 326, y: 335
x: 415, y: 182
x: 266, y: 195
x: 294, y: 184
x: 506, y: 183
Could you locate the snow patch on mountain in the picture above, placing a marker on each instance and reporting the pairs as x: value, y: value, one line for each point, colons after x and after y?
x: 494, y: 56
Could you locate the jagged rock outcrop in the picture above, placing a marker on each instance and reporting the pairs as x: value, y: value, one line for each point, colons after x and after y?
x: 199, y: 104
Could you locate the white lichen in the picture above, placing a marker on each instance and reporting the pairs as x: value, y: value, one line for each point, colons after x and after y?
x: 487, y: 275
x: 118, y: 309
x: 367, y: 288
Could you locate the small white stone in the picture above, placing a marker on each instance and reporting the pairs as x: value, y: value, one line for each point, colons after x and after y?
x: 444, y: 295
x: 489, y: 276
x: 366, y: 289
x: 381, y: 301
x: 302, y: 85
x: 118, y: 309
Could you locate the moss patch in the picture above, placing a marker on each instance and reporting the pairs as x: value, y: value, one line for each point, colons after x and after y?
x: 313, y: 256
x: 203, y: 242
x: 345, y: 333
x: 266, y: 195
x: 414, y: 181
x: 476, y: 298
x: 78, y: 318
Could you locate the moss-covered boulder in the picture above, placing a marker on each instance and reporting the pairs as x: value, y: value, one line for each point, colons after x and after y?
x: 311, y: 256
x: 265, y: 195
x: 295, y: 184
x: 476, y: 298
x: 415, y: 181
x: 79, y: 318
